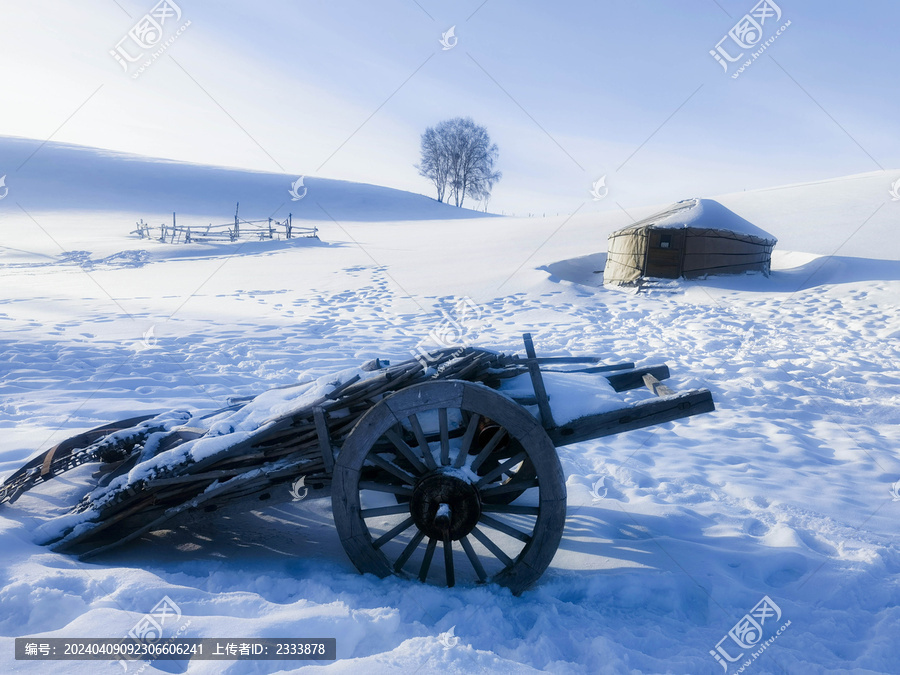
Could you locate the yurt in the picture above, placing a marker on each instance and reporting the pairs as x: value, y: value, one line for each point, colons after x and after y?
x: 689, y: 239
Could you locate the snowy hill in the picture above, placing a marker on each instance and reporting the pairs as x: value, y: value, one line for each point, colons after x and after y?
x: 673, y: 534
x: 60, y: 177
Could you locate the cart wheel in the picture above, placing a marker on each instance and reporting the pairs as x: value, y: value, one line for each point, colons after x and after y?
x: 449, y: 498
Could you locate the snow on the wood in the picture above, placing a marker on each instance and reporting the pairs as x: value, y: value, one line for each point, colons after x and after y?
x: 572, y: 395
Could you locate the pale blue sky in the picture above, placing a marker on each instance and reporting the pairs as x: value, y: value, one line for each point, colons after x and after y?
x: 569, y: 92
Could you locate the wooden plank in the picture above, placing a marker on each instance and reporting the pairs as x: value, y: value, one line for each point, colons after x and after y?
x: 537, y: 382
x: 657, y: 387
x: 644, y: 414
x: 374, y: 364
x: 445, y: 436
x: 567, y: 359
x: 593, y: 369
x: 633, y: 379
x: 515, y: 358
x: 194, y: 477
x: 341, y: 387
x: 324, y: 438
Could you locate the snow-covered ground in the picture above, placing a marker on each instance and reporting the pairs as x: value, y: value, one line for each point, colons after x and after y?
x: 674, y: 533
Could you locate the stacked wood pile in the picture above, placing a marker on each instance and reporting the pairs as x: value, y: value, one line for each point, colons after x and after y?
x: 300, y: 444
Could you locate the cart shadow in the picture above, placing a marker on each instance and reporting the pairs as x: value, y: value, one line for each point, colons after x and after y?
x: 597, y: 542
x: 271, y: 536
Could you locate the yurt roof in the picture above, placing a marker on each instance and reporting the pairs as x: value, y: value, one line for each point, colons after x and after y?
x: 705, y: 214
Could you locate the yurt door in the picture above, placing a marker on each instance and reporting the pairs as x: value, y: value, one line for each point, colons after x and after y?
x: 664, y: 253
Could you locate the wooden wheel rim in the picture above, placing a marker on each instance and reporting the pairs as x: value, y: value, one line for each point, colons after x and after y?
x: 537, y: 553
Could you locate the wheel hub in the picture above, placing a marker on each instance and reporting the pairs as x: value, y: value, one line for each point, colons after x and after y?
x: 445, y: 504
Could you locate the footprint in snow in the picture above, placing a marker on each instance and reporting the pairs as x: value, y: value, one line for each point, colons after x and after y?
x: 755, y: 528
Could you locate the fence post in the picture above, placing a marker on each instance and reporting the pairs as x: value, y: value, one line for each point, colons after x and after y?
x: 288, y: 226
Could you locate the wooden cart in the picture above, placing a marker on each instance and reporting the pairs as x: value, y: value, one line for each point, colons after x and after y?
x: 424, y: 453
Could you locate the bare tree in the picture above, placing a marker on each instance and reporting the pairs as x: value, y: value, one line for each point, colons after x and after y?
x: 458, y: 157
x: 435, y: 161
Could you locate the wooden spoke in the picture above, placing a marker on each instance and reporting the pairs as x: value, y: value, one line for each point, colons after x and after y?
x: 489, y: 448
x: 390, y: 488
x: 473, y: 558
x: 504, y: 528
x: 445, y: 437
x: 467, y: 441
x: 512, y: 486
x: 409, y: 550
x: 448, y: 562
x: 492, y: 547
x: 392, y: 510
x: 511, y: 508
x: 426, y: 561
x: 424, y: 448
x: 390, y: 468
x: 503, y: 468
x: 393, y: 532
x: 405, y: 450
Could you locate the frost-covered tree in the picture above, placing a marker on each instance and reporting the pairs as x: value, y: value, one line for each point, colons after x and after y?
x: 458, y: 157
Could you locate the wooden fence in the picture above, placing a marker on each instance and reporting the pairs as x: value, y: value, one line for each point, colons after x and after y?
x: 240, y: 229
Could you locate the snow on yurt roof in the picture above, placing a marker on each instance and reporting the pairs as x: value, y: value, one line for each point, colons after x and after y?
x: 706, y: 214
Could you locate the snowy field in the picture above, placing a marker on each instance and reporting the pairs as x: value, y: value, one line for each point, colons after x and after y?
x: 674, y: 533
